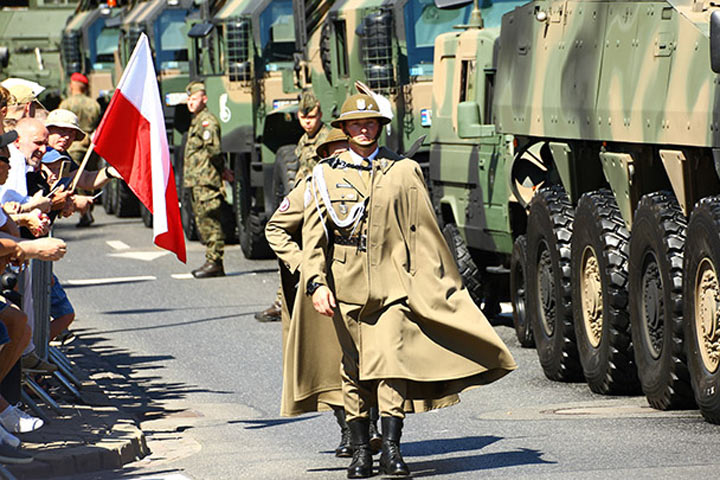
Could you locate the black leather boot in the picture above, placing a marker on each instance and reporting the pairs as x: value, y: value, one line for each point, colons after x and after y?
x: 375, y: 437
x: 344, y: 449
x: 209, y: 269
x: 362, y: 462
x: 391, y: 461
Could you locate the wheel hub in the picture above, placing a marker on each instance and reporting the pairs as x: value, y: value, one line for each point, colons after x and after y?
x: 591, y: 295
x: 546, y: 289
x: 652, y: 307
x: 707, y: 315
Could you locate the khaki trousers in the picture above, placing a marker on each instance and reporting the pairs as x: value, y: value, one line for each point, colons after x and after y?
x: 359, y: 395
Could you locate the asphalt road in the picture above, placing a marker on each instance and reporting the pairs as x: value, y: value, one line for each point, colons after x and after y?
x: 203, y: 378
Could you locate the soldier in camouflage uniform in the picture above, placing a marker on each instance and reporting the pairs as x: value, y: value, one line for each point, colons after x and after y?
x: 203, y: 169
x: 88, y: 113
x: 310, y: 119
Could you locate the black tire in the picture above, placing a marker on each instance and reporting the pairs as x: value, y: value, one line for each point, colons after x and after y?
x: 548, y: 277
x: 656, y: 309
x: 126, y: 204
x: 518, y: 292
x: 284, y: 172
x: 465, y: 263
x: 701, y: 293
x: 187, y: 216
x: 146, y: 216
x: 599, y: 269
x: 108, y: 196
x: 252, y: 237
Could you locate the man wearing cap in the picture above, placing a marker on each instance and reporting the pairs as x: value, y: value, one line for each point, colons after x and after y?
x: 202, y: 173
x: 310, y: 118
x: 24, y: 100
x: 375, y: 260
x: 88, y: 114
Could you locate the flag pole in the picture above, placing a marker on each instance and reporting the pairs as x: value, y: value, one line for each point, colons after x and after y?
x: 82, y: 167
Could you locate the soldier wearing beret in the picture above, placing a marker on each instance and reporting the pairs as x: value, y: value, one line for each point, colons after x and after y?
x: 376, y: 261
x: 202, y: 173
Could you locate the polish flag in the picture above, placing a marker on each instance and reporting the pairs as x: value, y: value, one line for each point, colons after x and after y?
x: 132, y: 138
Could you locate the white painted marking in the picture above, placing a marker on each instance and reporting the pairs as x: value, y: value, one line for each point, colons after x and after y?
x: 118, y: 245
x: 182, y: 276
x: 147, y: 256
x: 171, y: 476
x: 109, y: 281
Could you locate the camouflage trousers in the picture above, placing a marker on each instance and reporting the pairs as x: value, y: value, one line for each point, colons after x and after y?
x: 207, y: 207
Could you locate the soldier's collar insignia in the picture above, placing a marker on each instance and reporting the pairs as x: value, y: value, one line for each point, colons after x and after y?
x: 361, y: 104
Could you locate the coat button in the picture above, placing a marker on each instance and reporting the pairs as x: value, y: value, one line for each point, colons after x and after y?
x: 412, y: 228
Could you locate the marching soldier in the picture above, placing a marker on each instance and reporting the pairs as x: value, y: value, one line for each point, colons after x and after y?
x: 375, y: 259
x: 202, y: 173
x: 310, y: 119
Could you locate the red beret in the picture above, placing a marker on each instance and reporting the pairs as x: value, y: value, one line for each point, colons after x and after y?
x: 79, y: 77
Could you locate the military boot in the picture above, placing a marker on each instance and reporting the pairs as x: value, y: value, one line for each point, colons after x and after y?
x: 271, y: 314
x: 375, y: 437
x: 362, y: 462
x: 391, y: 461
x: 209, y: 269
x: 344, y: 449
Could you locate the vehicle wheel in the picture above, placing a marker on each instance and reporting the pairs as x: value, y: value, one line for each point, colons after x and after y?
x: 146, y: 216
x: 655, y: 287
x: 599, y: 270
x: 465, y: 263
x: 548, y: 279
x: 518, y: 292
x: 108, y: 196
x: 126, y: 204
x: 702, y: 305
x: 252, y: 237
x: 284, y: 172
x: 187, y: 216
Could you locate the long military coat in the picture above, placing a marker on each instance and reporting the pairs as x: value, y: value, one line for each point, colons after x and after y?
x: 311, y: 353
x: 441, y: 343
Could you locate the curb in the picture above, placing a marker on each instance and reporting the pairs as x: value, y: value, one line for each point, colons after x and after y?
x: 82, y: 438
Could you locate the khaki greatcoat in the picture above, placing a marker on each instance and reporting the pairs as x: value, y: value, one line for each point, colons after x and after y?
x: 311, y: 352
x: 442, y: 344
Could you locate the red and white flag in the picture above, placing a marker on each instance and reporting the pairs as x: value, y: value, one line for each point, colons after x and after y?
x: 132, y: 138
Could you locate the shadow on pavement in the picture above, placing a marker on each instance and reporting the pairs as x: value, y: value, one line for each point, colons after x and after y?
x: 478, y: 462
x: 271, y: 422
x: 446, y: 445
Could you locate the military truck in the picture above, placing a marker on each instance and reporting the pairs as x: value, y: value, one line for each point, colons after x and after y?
x: 587, y: 133
x: 33, y: 53
x: 243, y: 51
x: 166, y: 27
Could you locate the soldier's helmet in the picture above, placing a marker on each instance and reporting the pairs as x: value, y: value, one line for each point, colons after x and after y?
x: 307, y: 103
x: 335, y: 135
x: 359, y: 106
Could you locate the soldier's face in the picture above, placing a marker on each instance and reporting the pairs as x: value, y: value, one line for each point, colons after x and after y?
x: 362, y: 132
x: 311, y: 121
x: 60, y: 138
x: 196, y: 101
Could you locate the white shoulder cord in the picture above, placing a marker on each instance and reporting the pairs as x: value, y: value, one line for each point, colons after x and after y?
x: 356, y: 212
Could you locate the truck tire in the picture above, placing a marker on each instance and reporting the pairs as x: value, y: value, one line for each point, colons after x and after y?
x: 126, y: 204
x: 465, y: 263
x: 701, y: 293
x: 187, y: 216
x: 147, y: 217
x: 108, y: 196
x: 284, y: 172
x: 252, y: 237
x: 550, y: 224
x: 656, y: 308
x: 518, y: 292
x: 599, y: 276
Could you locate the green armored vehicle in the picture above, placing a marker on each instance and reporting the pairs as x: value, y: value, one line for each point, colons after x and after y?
x: 33, y: 53
x: 588, y: 133
x: 243, y: 51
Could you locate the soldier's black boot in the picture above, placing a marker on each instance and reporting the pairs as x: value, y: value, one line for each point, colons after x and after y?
x: 362, y: 462
x: 209, y: 269
x: 375, y: 437
x: 391, y: 461
x: 344, y: 449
